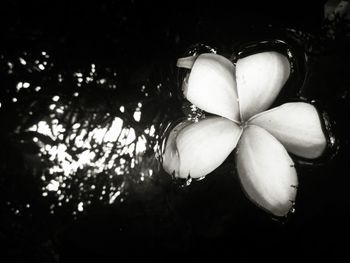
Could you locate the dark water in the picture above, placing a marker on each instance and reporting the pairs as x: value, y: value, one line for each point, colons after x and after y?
x: 86, y: 91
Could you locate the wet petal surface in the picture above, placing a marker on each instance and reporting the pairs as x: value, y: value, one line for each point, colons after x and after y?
x: 297, y: 126
x: 260, y: 77
x: 266, y: 171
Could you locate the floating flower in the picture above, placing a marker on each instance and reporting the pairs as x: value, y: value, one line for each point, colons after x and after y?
x: 238, y: 97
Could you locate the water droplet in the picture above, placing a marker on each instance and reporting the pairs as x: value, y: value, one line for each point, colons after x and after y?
x: 80, y: 207
x: 199, y: 178
x: 102, y: 81
x: 76, y: 126
x: 137, y: 116
x: 188, y: 180
x: 19, y: 86
x: 22, y: 61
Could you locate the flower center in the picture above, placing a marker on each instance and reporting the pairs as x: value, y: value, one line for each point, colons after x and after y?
x: 243, y: 124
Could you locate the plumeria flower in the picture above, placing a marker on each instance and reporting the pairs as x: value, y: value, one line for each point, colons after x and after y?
x: 238, y: 97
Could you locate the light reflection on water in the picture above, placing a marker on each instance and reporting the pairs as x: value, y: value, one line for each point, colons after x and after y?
x: 86, y: 153
x: 112, y: 148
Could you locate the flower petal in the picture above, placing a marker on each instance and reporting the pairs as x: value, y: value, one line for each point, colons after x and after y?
x: 212, y: 87
x: 201, y: 147
x: 260, y: 77
x: 170, y: 155
x: 266, y: 171
x: 297, y: 126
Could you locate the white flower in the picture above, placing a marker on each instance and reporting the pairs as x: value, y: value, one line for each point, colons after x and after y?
x: 239, y: 96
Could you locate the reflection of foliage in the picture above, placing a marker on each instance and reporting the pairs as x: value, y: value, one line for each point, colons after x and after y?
x: 72, y: 141
x: 77, y: 133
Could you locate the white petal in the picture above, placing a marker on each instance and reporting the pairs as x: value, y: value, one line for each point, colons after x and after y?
x: 260, y: 77
x: 297, y: 126
x: 171, y: 161
x: 204, y: 145
x: 266, y: 171
x: 212, y: 87
x: 186, y: 62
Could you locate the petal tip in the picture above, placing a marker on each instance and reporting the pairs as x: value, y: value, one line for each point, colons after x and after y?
x: 186, y: 62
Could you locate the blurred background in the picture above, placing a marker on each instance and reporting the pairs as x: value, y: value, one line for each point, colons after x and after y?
x: 86, y: 91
